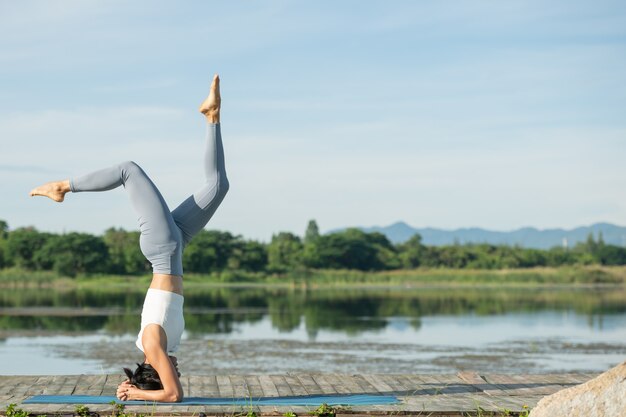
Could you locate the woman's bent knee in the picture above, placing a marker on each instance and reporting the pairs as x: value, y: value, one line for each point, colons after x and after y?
x: 223, y: 186
x: 127, y: 168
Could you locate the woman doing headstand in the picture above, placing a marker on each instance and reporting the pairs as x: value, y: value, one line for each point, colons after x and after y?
x: 164, y: 235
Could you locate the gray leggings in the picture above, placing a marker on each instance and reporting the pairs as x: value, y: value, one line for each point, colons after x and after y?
x: 164, y: 234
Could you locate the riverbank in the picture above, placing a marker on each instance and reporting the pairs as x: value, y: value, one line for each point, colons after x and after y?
x: 579, y: 275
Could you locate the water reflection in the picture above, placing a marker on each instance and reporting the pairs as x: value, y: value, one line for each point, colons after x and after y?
x: 350, y: 311
x: 270, y: 330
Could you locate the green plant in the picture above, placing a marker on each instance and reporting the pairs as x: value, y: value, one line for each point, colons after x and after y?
x: 82, y: 411
x: 525, y: 411
x: 249, y: 413
x: 13, y: 411
x: 323, y: 410
x: 118, y: 411
x: 290, y: 414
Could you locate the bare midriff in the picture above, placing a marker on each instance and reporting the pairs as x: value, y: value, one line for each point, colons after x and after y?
x: 165, y: 282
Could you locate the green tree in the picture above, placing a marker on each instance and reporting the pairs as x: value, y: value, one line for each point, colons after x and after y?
x: 125, y: 255
x: 4, y: 229
x: 591, y: 245
x: 352, y: 249
x: 73, y: 253
x: 208, y: 251
x: 611, y: 255
x: 22, y: 244
x: 411, y: 252
x: 4, y: 233
x: 248, y: 256
x: 284, y: 252
x: 312, y: 232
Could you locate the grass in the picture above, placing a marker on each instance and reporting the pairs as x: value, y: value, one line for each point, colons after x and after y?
x: 572, y: 275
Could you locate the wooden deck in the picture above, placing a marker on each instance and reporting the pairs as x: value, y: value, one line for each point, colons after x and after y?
x: 420, y: 395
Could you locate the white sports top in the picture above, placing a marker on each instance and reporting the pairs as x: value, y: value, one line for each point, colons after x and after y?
x: 164, y: 308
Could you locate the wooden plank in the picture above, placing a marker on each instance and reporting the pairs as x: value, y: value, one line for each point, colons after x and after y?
x: 45, y: 408
x: 194, y: 410
x: 210, y: 387
x: 239, y: 386
x: 21, y: 384
x: 112, y: 382
x: 254, y: 386
x: 195, y: 386
x: 493, y: 388
x: 284, y: 390
x: 184, y: 383
x: 472, y: 378
x: 572, y: 378
x: 409, y: 384
x: 453, y: 384
x: 81, y: 385
x: 52, y: 387
x: 524, y: 388
x: 103, y: 409
x: 324, y: 385
x: 510, y: 385
x: 296, y: 386
x: 376, y: 381
x: 269, y: 389
x: 96, y: 385
x: 337, y: 383
x: 422, y: 387
x: 544, y: 385
x: 309, y: 384
x: 395, y: 382
x: 225, y: 386
x: 365, y: 386
x: 37, y: 386
x: 349, y: 382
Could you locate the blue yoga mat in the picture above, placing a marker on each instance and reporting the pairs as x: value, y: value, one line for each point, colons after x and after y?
x: 310, y: 400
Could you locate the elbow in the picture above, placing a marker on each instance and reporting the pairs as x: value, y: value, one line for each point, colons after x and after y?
x: 174, y: 397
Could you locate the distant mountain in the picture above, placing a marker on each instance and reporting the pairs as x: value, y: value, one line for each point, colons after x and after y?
x: 529, y: 237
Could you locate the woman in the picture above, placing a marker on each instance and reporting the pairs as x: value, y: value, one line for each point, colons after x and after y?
x: 164, y: 235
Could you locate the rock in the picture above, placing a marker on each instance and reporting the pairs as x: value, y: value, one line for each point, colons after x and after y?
x: 603, y: 396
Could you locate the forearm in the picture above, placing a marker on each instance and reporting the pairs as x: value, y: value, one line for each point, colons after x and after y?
x: 156, y: 395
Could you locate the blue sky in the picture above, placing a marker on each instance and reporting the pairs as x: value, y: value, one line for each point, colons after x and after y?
x: 438, y: 113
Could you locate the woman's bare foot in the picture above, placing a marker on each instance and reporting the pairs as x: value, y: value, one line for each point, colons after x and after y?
x: 54, y: 190
x: 211, y: 106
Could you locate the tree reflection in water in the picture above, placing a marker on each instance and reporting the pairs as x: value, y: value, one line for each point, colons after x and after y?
x: 350, y: 310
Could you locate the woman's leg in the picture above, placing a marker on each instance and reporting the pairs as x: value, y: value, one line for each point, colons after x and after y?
x: 194, y: 213
x: 161, y: 240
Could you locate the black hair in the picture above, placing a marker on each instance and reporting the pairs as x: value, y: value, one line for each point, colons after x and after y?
x: 145, y: 377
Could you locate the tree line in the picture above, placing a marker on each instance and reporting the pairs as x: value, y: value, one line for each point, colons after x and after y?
x: 117, y: 252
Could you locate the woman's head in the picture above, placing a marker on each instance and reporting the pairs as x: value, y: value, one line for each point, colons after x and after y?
x: 144, y: 377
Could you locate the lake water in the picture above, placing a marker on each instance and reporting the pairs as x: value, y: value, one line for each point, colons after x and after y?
x: 365, y: 330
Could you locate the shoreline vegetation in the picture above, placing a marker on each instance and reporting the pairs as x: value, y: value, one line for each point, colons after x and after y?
x: 351, y: 257
x: 427, y: 277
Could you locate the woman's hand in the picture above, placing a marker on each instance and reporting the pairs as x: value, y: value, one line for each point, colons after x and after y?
x: 126, y: 391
